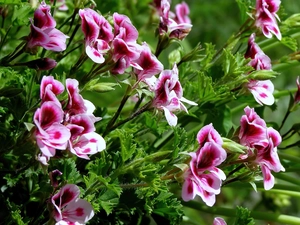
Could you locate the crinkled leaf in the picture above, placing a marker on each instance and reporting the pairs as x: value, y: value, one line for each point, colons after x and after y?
x: 243, y: 217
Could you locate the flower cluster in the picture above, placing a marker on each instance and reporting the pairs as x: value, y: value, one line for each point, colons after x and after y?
x: 262, y: 142
x: 69, y: 208
x: 119, y: 43
x: 266, y: 17
x: 203, y: 178
x: 176, y: 25
x: 62, y: 125
x: 43, y: 31
x: 169, y: 95
x: 263, y: 90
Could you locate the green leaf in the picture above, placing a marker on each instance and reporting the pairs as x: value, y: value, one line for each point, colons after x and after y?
x: 292, y: 21
x: 244, y: 6
x: 206, y: 89
x: 235, y: 65
x: 7, y: 2
x: 290, y: 42
x: 21, y: 15
x: 128, y: 147
x: 243, y: 216
x: 209, y: 54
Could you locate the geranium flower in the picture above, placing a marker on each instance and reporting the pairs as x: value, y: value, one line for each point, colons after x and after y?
x: 50, y: 88
x: 262, y: 91
x: 266, y: 17
x: 125, y: 50
x: 43, y: 31
x: 84, y: 140
x: 69, y: 208
x: 252, y: 129
x: 97, y: 32
x: 50, y: 134
x: 148, y: 62
x: 203, y: 178
x: 177, y: 25
x: 262, y: 142
x: 169, y: 95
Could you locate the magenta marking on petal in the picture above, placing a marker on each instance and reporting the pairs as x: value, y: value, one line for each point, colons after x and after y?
x: 93, y: 140
x: 79, y: 212
x: 67, y: 196
x: 57, y: 135
x: 263, y: 95
x: 87, y: 150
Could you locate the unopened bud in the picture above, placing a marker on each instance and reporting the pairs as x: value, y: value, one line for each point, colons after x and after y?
x: 42, y: 64
x: 102, y: 87
x: 262, y: 75
x: 297, y: 94
x: 233, y: 147
x: 54, y: 177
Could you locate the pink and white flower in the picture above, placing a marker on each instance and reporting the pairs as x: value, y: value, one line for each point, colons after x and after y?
x: 71, y: 127
x: 177, y: 25
x: 203, y: 178
x: 50, y: 133
x: 125, y: 49
x: 253, y: 129
x: 262, y: 142
x: 262, y: 91
x: 98, y: 34
x: 266, y: 17
x: 149, y: 63
x: 50, y: 88
x: 43, y: 31
x: 69, y: 208
x: 169, y: 95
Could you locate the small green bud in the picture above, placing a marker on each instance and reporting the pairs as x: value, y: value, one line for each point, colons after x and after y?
x: 175, y: 56
x: 233, y: 147
x: 262, y: 75
x: 102, y: 87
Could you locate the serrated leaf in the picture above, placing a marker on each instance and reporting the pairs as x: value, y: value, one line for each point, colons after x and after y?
x: 292, y: 21
x: 209, y: 54
x: 205, y: 86
x: 235, y: 65
x: 290, y: 42
x: 244, y: 6
x: 128, y: 146
x: 243, y: 216
x: 22, y: 13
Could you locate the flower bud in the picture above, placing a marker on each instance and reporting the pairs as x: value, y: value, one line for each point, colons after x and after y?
x: 42, y: 64
x: 297, y: 94
x: 262, y: 75
x: 53, y: 177
x: 233, y: 147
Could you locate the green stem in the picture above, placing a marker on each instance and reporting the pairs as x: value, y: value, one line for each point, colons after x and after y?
x: 288, y: 112
x: 5, y: 36
x: 295, y: 194
x: 118, y: 112
x: 73, y: 34
x: 285, y: 177
x: 132, y: 116
x: 260, y: 185
x: 266, y: 216
x: 289, y: 157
